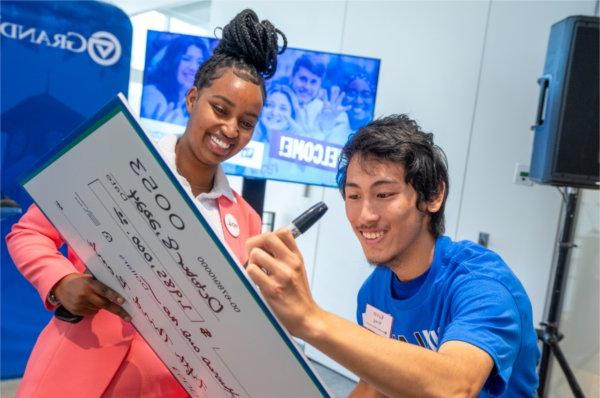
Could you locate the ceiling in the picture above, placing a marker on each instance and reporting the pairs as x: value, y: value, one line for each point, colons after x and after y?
x: 193, y: 12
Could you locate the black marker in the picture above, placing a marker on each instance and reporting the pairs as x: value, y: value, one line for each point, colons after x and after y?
x: 303, y: 222
x: 306, y: 220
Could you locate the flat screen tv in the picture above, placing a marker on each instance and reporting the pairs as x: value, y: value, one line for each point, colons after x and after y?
x: 314, y: 101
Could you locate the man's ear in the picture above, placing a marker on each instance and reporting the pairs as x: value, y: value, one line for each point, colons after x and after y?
x: 191, y: 97
x: 436, y: 203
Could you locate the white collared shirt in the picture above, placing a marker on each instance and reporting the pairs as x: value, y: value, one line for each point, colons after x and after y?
x: 205, y: 202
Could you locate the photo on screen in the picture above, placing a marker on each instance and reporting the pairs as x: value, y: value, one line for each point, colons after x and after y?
x: 314, y: 101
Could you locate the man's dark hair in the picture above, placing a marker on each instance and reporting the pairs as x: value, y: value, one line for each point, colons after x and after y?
x: 399, y: 139
x: 310, y: 63
x: 249, y: 46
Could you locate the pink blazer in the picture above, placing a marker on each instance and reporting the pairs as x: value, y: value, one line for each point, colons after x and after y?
x: 79, y: 360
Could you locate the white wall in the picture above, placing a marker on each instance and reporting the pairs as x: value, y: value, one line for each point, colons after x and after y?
x: 467, y: 72
x: 522, y: 220
x: 430, y: 54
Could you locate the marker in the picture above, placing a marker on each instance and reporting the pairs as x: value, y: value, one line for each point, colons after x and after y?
x: 303, y: 222
x: 307, y: 219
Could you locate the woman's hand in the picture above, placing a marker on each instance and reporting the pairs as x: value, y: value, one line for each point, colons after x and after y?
x: 332, y: 107
x: 167, y: 113
x: 82, y: 295
x: 294, y: 126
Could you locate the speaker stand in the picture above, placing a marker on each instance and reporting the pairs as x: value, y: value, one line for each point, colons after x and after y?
x: 253, y: 191
x: 549, y: 333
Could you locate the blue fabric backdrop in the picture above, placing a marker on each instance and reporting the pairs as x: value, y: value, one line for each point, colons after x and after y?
x: 61, y: 61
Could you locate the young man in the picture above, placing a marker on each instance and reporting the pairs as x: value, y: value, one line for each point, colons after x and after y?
x: 439, y: 318
x: 321, y: 117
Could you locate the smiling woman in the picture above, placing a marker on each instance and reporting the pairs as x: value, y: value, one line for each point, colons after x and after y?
x: 171, y: 78
x: 222, y: 120
x: 278, y: 110
x: 103, y: 355
x: 360, y: 99
x: 226, y: 99
x: 279, y: 113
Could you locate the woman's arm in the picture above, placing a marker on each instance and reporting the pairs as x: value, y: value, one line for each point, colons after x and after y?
x: 33, y: 244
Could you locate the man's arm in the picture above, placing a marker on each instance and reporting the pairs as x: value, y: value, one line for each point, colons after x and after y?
x: 392, y: 367
x: 396, y: 368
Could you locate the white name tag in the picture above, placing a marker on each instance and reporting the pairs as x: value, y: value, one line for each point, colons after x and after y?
x: 377, y: 321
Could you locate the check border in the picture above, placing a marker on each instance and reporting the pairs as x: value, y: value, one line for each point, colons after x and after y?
x: 109, y: 111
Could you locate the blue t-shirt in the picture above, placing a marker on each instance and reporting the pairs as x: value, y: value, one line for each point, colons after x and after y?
x: 468, y: 294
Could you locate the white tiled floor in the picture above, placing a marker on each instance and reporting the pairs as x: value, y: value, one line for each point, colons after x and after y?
x: 337, y: 384
x: 8, y: 388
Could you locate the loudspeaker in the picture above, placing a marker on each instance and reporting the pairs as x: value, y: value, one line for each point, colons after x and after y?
x: 566, y: 141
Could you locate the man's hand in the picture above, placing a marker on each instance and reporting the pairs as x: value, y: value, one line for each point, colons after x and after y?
x: 275, y: 264
x: 81, y: 294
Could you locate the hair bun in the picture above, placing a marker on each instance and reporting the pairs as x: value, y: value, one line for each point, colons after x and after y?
x: 253, y: 41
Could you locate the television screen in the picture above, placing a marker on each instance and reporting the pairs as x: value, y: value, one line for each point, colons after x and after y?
x: 314, y: 101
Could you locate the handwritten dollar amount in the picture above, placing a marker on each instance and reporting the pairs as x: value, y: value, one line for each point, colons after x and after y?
x: 174, y: 221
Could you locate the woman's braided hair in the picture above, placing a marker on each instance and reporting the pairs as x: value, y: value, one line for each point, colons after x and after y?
x: 249, y: 46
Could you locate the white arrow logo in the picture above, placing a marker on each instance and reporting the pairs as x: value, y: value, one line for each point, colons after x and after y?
x: 104, y: 48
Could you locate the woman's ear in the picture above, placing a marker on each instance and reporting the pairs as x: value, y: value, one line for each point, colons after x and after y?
x: 191, y: 97
x: 436, y: 203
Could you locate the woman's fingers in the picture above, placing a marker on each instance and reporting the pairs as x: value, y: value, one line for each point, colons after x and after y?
x: 338, y: 100
x: 117, y: 310
x: 108, y: 299
x: 81, y: 294
x: 166, y: 112
x: 335, y: 93
x: 323, y: 95
x: 157, y: 111
x: 106, y: 292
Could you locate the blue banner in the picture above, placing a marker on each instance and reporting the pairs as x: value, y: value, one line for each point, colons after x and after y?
x: 305, y: 151
x: 61, y: 61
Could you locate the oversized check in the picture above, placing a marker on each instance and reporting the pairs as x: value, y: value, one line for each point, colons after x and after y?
x: 118, y: 205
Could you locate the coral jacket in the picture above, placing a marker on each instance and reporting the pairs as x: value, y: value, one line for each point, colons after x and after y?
x: 80, y: 360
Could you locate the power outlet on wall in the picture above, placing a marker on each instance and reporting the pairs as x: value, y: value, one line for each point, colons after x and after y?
x: 521, y: 176
x: 483, y: 239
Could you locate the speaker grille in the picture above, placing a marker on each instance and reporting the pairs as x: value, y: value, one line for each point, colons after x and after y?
x: 579, y: 139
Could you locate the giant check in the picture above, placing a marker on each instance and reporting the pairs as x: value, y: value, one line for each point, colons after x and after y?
x: 121, y: 209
